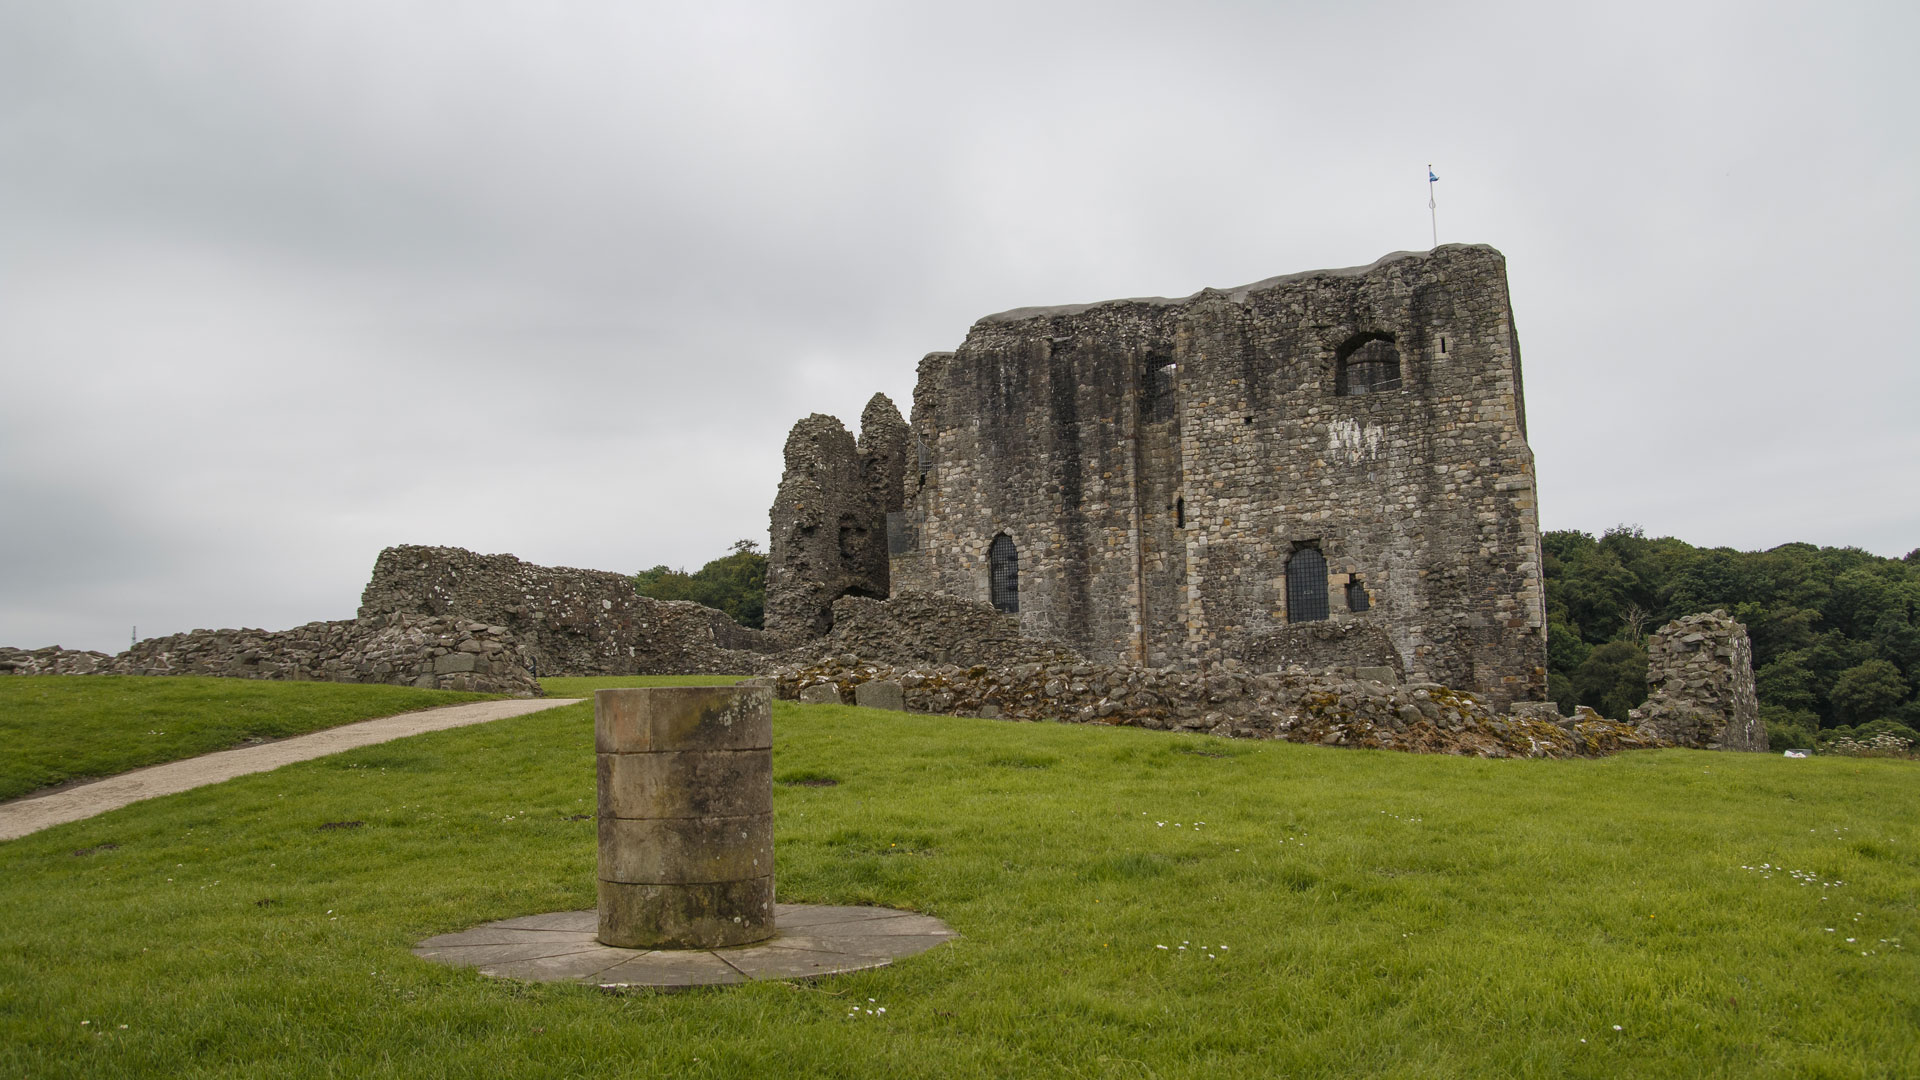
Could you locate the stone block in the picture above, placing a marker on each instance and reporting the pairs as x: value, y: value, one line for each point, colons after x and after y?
x: 1376, y: 674
x: 880, y: 694
x: 449, y: 663
x: 630, y: 721
x: 820, y: 694
x: 686, y: 851
x: 686, y: 784
x: 704, y: 916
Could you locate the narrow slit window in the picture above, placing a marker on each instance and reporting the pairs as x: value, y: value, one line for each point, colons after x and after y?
x: 1307, y: 586
x: 1003, y: 572
x: 1357, y: 596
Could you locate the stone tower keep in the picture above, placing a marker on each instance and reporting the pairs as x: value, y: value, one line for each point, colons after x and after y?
x: 1184, y: 482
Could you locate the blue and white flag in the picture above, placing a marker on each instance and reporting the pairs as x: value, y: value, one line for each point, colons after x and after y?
x: 1432, y: 179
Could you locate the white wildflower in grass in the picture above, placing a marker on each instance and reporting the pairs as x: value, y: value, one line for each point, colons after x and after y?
x: 1616, y: 1027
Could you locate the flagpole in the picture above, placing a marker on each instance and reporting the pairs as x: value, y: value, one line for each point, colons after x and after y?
x: 1433, y: 211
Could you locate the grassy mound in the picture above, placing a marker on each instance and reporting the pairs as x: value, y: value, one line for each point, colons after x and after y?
x: 1132, y: 904
x: 57, y: 728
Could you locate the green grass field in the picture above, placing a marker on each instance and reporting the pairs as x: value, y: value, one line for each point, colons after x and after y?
x: 58, y: 728
x: 1133, y: 904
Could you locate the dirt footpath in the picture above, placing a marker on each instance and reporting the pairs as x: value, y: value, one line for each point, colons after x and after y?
x: 31, y: 814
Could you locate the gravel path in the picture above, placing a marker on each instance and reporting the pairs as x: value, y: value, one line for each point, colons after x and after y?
x: 36, y: 812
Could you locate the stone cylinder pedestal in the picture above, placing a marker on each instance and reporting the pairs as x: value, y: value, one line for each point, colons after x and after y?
x: 686, y: 816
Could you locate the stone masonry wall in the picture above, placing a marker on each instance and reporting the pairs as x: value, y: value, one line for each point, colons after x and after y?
x: 1157, y: 463
x: 1700, y: 678
x: 571, y: 622
x: 432, y: 652
x: 1293, y: 705
x: 828, y: 527
x: 917, y: 628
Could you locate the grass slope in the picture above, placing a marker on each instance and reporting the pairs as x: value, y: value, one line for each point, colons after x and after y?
x: 57, y: 728
x: 1344, y: 913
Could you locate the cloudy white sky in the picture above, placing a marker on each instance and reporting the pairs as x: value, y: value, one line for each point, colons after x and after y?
x: 282, y: 284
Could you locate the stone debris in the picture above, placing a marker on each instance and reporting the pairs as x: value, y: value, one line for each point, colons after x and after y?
x: 1329, y: 708
x: 1700, y: 678
x: 432, y: 652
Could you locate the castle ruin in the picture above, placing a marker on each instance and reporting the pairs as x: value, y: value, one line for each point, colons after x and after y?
x: 1207, y: 481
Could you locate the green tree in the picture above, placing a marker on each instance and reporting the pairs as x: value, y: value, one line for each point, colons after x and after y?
x: 735, y: 583
x: 1612, y: 679
x: 1867, y: 691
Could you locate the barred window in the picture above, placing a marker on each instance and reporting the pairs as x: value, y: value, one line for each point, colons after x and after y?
x: 1162, y: 380
x: 1003, y: 573
x: 1367, y: 364
x: 1306, y: 586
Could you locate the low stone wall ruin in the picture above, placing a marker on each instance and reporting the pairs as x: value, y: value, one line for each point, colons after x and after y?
x: 432, y: 652
x: 1328, y: 709
x: 1700, y: 678
x: 571, y: 622
x: 920, y: 628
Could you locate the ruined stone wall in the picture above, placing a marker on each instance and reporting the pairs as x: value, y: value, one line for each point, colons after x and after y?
x: 1158, y: 462
x: 1701, y: 689
x: 919, y: 628
x: 828, y: 528
x: 1327, y: 709
x: 572, y: 622
x: 431, y: 652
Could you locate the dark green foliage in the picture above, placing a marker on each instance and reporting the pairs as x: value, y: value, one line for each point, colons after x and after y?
x: 1836, y: 631
x: 1866, y: 691
x: 1613, y: 678
x: 735, y: 583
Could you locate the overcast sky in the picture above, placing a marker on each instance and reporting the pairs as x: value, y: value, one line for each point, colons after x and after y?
x: 282, y: 284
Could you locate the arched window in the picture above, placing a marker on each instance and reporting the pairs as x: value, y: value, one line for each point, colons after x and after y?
x: 1306, y: 586
x: 1367, y: 364
x: 1003, y: 573
x: 1162, y: 384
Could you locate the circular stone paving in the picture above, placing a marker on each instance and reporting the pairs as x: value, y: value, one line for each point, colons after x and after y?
x: 812, y: 940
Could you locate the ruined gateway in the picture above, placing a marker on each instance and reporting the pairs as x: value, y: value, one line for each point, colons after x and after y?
x: 1210, y: 481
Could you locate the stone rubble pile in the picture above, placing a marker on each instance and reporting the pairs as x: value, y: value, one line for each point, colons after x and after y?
x: 53, y: 660
x: 1332, y: 708
x: 431, y: 652
x: 1700, y: 678
x: 571, y: 621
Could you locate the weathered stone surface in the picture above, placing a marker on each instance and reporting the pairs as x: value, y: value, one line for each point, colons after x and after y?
x: 401, y: 649
x: 1701, y: 688
x: 572, y: 622
x: 1157, y: 463
x: 695, y: 718
x: 54, y: 660
x: 880, y: 694
x: 682, y: 851
x: 686, y: 820
x: 686, y: 783
x: 704, y: 916
x: 828, y: 534
x: 1329, y: 708
x: 824, y: 693
x: 920, y: 628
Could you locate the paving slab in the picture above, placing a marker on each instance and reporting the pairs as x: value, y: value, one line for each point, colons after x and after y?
x: 813, y: 940
x: 36, y: 812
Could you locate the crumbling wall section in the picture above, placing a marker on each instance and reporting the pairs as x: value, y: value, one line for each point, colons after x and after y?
x: 913, y: 628
x: 572, y: 621
x: 1325, y: 709
x: 1701, y: 688
x: 828, y: 525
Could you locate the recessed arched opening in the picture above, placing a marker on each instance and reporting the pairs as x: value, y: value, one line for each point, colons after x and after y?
x: 1307, y: 586
x: 1003, y: 574
x: 1366, y: 363
x: 1161, y: 385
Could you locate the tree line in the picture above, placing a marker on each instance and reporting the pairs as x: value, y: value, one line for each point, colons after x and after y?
x: 735, y: 583
x: 1836, y: 631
